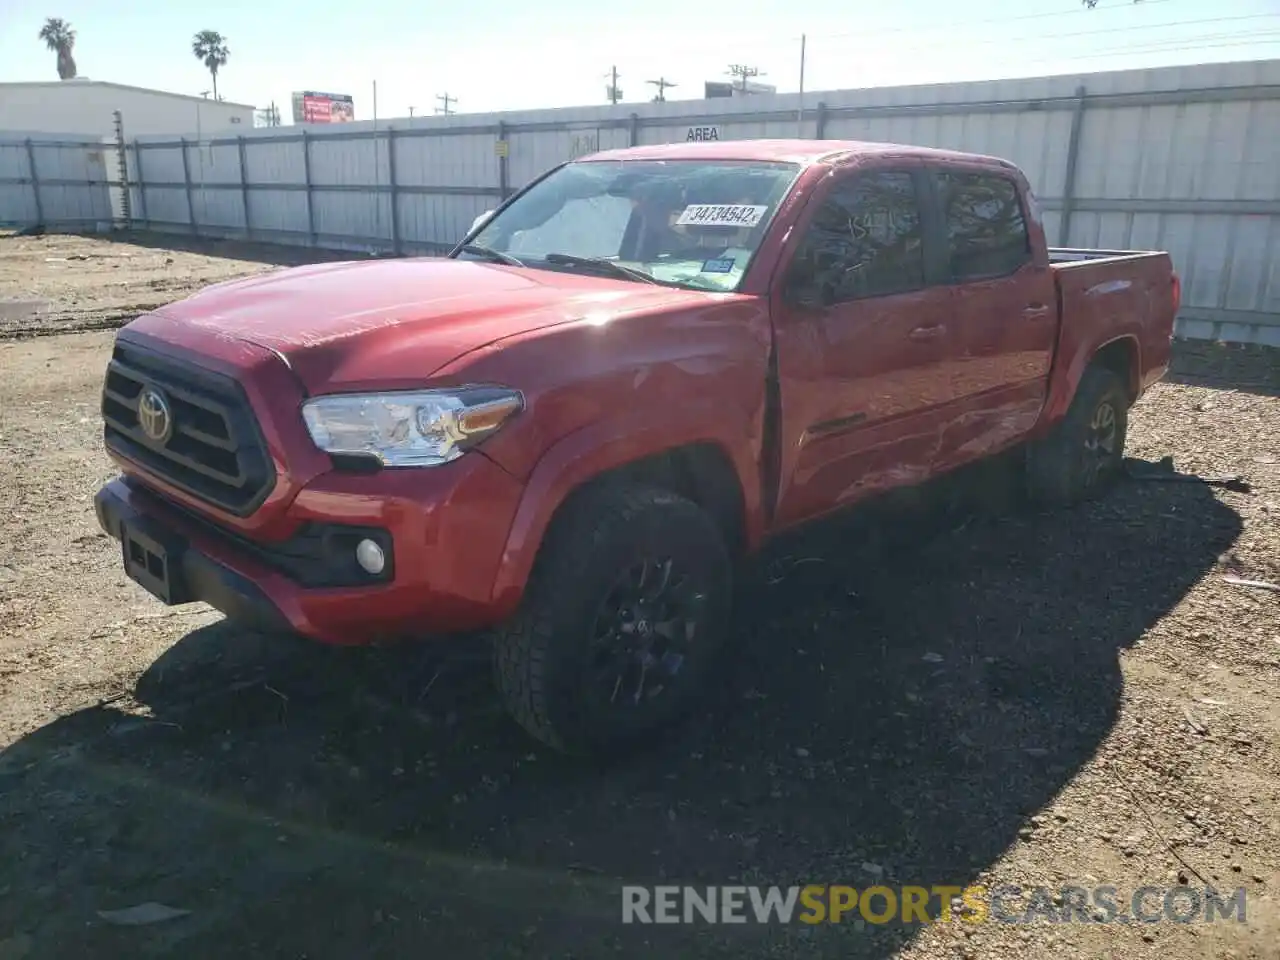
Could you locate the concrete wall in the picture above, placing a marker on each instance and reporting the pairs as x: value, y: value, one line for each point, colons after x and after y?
x: 85, y: 107
x: 1184, y: 159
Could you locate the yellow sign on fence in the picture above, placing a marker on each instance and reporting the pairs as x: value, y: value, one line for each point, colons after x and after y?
x: 502, y: 148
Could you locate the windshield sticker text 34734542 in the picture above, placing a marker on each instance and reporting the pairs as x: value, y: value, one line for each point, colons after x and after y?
x: 721, y: 215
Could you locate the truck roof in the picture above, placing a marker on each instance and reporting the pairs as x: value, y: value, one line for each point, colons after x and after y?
x: 791, y: 151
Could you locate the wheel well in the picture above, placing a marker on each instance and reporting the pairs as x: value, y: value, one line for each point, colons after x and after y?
x: 701, y: 472
x: 1121, y: 357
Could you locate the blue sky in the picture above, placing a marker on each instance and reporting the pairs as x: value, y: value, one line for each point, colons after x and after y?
x: 494, y: 56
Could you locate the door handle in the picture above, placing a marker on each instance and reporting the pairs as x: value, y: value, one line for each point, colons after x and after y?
x: 928, y: 333
x: 1035, y: 311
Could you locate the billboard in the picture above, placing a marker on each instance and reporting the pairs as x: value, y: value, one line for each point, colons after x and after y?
x: 312, y: 107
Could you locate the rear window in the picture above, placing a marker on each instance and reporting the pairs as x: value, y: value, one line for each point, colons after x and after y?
x: 986, y: 228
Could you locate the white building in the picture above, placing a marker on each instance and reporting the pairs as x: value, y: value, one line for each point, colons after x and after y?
x: 87, y: 107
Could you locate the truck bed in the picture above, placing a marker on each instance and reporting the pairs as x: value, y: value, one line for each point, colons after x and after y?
x: 1126, y: 297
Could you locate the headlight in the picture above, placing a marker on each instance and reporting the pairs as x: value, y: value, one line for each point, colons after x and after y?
x: 410, y: 429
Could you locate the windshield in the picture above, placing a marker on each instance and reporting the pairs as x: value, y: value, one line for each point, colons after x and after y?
x: 686, y: 223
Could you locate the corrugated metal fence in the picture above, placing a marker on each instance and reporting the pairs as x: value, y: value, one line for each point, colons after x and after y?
x: 56, y: 182
x: 1185, y: 159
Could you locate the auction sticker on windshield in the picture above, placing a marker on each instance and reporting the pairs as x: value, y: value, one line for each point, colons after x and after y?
x: 720, y: 215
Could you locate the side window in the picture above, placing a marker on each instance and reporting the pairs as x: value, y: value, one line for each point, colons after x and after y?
x: 986, y: 231
x: 865, y: 241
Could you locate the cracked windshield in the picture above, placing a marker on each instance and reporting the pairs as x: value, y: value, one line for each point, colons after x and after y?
x: 683, y: 223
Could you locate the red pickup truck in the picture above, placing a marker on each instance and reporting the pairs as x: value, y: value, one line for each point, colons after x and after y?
x: 567, y: 432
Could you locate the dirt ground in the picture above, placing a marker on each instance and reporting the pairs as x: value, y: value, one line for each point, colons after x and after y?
x: 65, y: 283
x: 994, y: 697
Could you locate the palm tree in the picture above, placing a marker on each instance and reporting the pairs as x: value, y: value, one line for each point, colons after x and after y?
x: 210, y: 48
x: 60, y: 38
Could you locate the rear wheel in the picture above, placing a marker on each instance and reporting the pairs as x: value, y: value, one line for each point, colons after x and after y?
x: 622, y: 623
x: 1083, y: 454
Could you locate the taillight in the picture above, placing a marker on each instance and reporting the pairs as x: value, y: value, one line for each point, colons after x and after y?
x: 1177, y: 294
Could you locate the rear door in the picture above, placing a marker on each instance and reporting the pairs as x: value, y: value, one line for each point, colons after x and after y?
x: 862, y: 342
x: 1004, y: 311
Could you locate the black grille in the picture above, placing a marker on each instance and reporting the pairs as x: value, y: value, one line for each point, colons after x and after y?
x: 214, y: 452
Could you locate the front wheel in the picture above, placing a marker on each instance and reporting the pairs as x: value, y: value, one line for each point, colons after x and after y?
x: 622, y: 623
x: 1084, y: 452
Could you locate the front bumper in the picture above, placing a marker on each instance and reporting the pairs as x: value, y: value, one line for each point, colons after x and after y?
x: 448, y: 527
x: 166, y: 564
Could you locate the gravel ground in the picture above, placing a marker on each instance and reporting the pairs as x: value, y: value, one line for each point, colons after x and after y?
x: 989, y: 695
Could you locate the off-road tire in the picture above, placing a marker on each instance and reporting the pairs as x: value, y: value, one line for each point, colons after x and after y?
x: 540, y: 657
x: 1062, y: 468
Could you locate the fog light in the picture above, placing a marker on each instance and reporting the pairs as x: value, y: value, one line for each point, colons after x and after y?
x: 370, y: 557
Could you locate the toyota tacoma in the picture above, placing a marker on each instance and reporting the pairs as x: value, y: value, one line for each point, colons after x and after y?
x: 566, y: 433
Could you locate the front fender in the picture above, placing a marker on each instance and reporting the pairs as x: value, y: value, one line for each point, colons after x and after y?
x: 601, y: 447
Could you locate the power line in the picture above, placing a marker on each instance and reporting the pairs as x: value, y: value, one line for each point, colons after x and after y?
x: 1189, y: 43
x: 1172, y: 45
x: 947, y: 41
x: 1223, y: 40
x: 1046, y: 63
x: 661, y: 83
x: 1166, y: 44
x: 1076, y: 11
x: 754, y: 44
x: 1129, y: 52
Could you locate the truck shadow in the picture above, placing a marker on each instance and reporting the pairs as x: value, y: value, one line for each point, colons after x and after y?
x: 904, y: 692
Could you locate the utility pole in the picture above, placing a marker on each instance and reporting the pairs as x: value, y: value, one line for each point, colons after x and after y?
x: 612, y: 91
x: 122, y: 168
x: 742, y: 74
x: 661, y: 83
x: 270, y: 116
x: 411, y: 113
x: 800, y: 100
x: 445, y: 100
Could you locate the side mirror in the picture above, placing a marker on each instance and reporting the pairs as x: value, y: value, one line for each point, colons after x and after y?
x: 480, y: 221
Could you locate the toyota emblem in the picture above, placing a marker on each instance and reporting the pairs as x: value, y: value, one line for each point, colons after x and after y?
x: 154, y: 416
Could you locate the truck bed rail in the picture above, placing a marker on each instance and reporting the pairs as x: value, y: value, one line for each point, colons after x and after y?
x: 1078, y: 254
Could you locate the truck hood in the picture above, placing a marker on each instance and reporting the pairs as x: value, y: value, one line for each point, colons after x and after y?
x: 395, y: 322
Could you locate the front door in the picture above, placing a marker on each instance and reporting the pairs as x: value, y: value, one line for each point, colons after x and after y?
x: 862, y: 342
